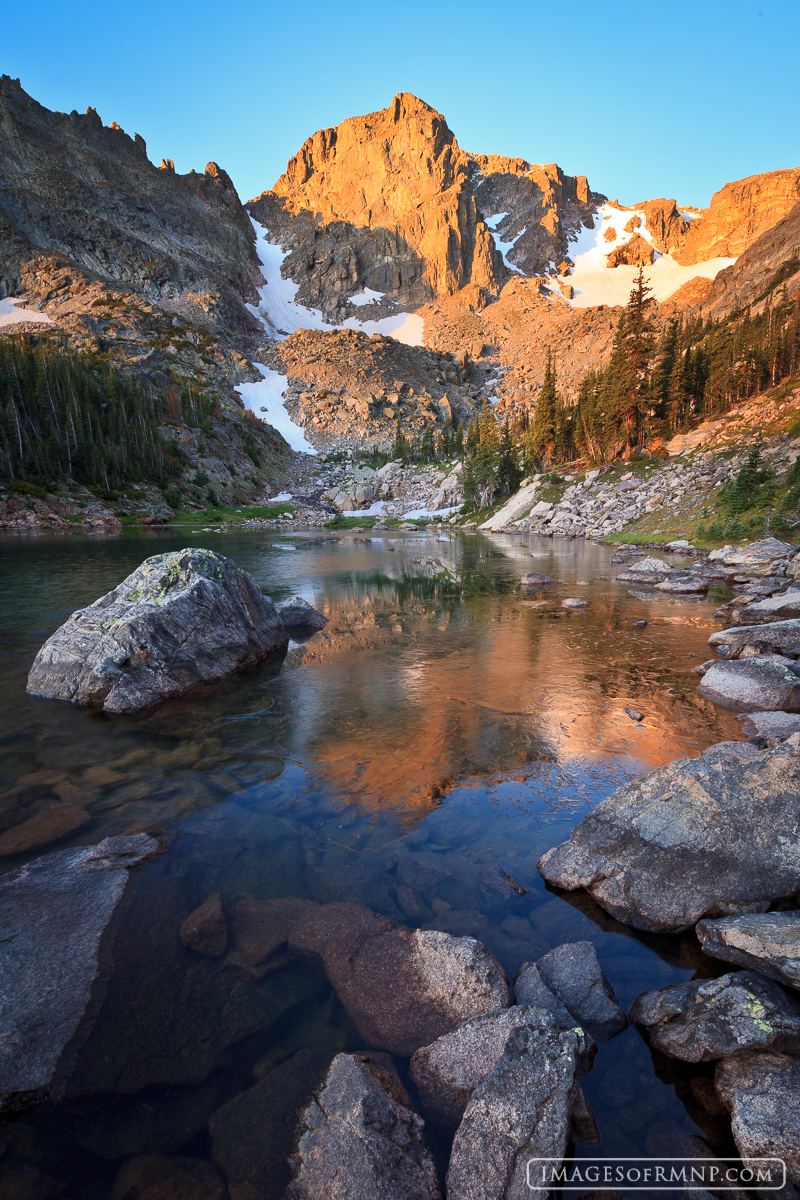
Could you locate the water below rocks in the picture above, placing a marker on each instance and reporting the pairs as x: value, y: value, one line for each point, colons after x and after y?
x: 443, y: 722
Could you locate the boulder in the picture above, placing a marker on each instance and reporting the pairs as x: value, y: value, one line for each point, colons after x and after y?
x: 54, y: 914
x: 780, y: 636
x: 180, y: 620
x: 447, y: 1072
x: 770, y: 728
x: 760, y: 1090
x: 252, y: 1135
x: 763, y: 612
x: 703, y: 837
x: 49, y: 825
x: 572, y: 973
x: 402, y: 988
x: 765, y: 942
x: 766, y: 557
x: 206, y: 930
x: 689, y: 585
x: 300, y: 617
x: 767, y: 683
x: 358, y: 1138
x: 574, y: 602
x: 532, y: 579
x: 707, y: 1019
x: 647, y: 570
x: 156, y: 1177
x: 260, y: 927
x: 522, y: 1110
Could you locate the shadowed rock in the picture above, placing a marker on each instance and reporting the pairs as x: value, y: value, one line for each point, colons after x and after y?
x: 766, y: 942
x: 205, y: 930
x: 707, y: 1019
x: 179, y: 620
x: 401, y: 987
x: 573, y: 976
x: 54, y: 913
x: 704, y: 837
x: 760, y: 1089
x: 49, y: 825
x: 521, y: 1110
x: 155, y: 1177
x: 300, y: 617
x: 358, y: 1138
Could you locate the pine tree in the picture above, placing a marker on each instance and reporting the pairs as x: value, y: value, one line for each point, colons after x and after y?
x: 542, y: 438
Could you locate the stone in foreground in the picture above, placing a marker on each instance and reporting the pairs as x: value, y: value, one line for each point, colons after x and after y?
x: 787, y: 604
x: 765, y: 684
x: 54, y: 913
x: 447, y: 1072
x: 358, y: 1138
x: 648, y: 570
x: 402, y: 988
x: 572, y: 973
x: 766, y: 557
x: 760, y: 1090
x: 770, y: 728
x: 765, y: 942
x: 779, y: 636
x: 704, y: 837
x: 522, y: 1110
x: 707, y: 1019
x: 301, y: 617
x: 179, y: 620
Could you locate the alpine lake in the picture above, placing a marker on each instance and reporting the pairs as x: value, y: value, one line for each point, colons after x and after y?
x: 442, y: 722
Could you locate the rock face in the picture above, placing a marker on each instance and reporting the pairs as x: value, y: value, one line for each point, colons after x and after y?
x: 54, y: 914
x: 760, y: 1092
x: 634, y: 253
x: 765, y: 942
x: 448, y: 1071
x: 760, y: 684
x: 300, y: 616
x: 252, y: 1135
x: 738, y: 215
x: 708, y: 1019
x: 358, y: 1138
x: 521, y: 1110
x: 704, y: 837
x: 179, y: 620
x: 756, y: 268
x: 574, y: 976
x: 402, y: 988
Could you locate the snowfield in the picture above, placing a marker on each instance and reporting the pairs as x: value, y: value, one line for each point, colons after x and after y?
x: 265, y: 399
x: 11, y: 314
x: 597, y: 283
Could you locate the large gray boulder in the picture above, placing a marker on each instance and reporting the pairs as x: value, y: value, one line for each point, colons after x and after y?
x: 402, y: 988
x: 521, y: 1111
x: 703, y: 837
x: 786, y: 604
x: 179, y: 620
x: 706, y: 1019
x: 770, y: 728
x: 358, y: 1138
x: 769, y: 556
x: 778, y: 636
x: 55, y: 913
x: 447, y: 1072
x: 301, y: 617
x: 760, y: 1090
x: 647, y: 570
x: 573, y: 975
x: 763, y: 684
x: 765, y: 942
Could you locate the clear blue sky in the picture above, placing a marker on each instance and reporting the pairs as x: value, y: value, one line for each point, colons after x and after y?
x: 645, y: 99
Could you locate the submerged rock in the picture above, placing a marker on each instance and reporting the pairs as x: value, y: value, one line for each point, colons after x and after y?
x: 572, y: 973
x: 206, y: 930
x: 760, y: 1090
x: 710, y: 836
x: 401, y: 987
x: 522, y: 1110
x: 766, y: 942
x: 300, y: 617
x: 447, y: 1072
x: 54, y: 914
x: 358, y: 1138
x: 707, y: 1019
x: 753, y: 684
x: 178, y: 621
x: 49, y: 825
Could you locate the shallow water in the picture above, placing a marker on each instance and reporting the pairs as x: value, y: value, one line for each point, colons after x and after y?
x: 441, y: 722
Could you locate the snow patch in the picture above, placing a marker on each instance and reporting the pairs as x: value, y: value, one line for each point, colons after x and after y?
x: 416, y: 513
x: 493, y: 222
x: 265, y: 399
x: 596, y: 283
x: 368, y: 296
x: 281, y: 498
x: 375, y: 510
x: 12, y: 314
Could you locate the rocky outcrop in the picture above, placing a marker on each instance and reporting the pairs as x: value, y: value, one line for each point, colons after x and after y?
x: 358, y: 1138
x: 180, y: 620
x: 739, y: 213
x: 55, y: 915
x: 769, y: 262
x: 573, y: 975
x: 765, y: 942
x: 301, y: 617
x: 522, y: 1110
x: 761, y: 684
x: 707, y: 1019
x: 637, y: 252
x: 402, y: 988
x: 704, y: 837
x: 760, y: 1092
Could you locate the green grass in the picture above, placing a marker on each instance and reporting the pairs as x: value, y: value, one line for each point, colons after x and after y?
x: 233, y: 516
